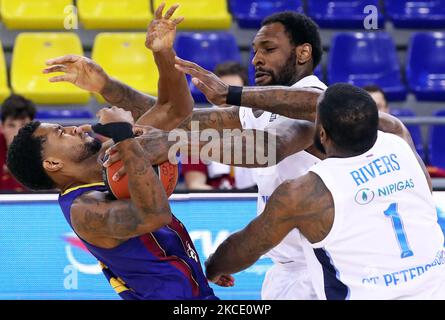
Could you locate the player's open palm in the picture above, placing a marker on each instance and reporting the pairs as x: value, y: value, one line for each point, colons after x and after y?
x: 207, y: 82
x: 78, y: 70
x: 162, y: 30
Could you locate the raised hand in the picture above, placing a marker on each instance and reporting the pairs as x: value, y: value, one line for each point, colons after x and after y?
x: 213, y: 87
x: 78, y: 70
x: 162, y: 31
x: 114, y: 114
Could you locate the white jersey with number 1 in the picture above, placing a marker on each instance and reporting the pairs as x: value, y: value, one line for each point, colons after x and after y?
x: 385, y: 242
x: 289, y: 277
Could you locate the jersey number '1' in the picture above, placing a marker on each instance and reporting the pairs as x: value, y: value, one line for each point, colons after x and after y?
x: 397, y: 224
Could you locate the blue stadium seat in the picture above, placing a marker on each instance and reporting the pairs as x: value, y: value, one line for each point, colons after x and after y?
x: 340, y: 13
x: 250, y: 13
x: 437, y: 143
x: 208, y: 49
x: 65, y: 114
x: 413, y: 129
x: 416, y: 14
x: 366, y: 58
x: 425, y: 70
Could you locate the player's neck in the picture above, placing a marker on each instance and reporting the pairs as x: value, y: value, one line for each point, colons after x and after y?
x: 87, y: 173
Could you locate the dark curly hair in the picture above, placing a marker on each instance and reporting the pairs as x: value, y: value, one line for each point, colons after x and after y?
x: 24, y: 159
x: 17, y: 107
x: 301, y: 29
x: 350, y: 117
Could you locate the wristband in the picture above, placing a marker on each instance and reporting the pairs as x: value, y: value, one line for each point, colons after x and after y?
x: 234, y: 96
x: 118, y: 131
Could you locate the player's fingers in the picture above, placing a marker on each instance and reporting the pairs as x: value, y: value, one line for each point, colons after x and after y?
x: 228, y: 279
x: 190, y: 71
x: 178, y: 20
x: 202, y: 86
x: 101, y: 112
x: 55, y: 68
x: 223, y: 283
x: 158, y: 12
x: 119, y: 174
x: 138, y: 131
x: 112, y: 158
x: 64, y: 59
x: 63, y: 78
x: 171, y: 11
x: 189, y: 64
x: 84, y: 128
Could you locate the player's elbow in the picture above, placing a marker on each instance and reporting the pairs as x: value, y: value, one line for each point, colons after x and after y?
x: 158, y: 220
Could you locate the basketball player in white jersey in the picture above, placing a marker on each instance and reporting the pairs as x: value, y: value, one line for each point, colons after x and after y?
x: 289, y: 277
x: 367, y: 210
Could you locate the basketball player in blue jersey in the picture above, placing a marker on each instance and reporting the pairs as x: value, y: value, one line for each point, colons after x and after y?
x: 144, y: 251
x: 367, y: 210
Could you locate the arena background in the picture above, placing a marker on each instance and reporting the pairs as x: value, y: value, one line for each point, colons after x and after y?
x: 40, y: 258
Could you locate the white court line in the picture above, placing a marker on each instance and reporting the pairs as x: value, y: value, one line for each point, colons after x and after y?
x: 176, y: 197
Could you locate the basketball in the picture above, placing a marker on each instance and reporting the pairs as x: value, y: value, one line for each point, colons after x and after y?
x: 167, y: 172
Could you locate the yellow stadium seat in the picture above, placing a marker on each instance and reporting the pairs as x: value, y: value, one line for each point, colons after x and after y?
x: 201, y: 14
x: 114, y: 14
x: 35, y: 14
x: 4, y: 90
x: 125, y: 57
x: 31, y: 50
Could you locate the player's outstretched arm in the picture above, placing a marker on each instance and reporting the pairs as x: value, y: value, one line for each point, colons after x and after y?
x: 175, y: 101
x: 304, y: 203
x: 242, y: 148
x: 101, y: 221
x: 390, y: 124
x: 88, y: 75
x: 297, y: 103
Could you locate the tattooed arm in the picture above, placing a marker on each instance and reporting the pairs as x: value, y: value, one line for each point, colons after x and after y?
x: 247, y: 148
x: 107, y: 223
x: 296, y: 103
x: 257, y: 148
x: 123, y: 96
x: 390, y: 124
x: 88, y: 75
x: 212, y: 118
x: 175, y: 101
x: 304, y: 203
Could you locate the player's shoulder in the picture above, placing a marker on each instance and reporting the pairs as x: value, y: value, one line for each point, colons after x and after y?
x: 306, y: 188
x: 92, y: 197
x: 311, y: 82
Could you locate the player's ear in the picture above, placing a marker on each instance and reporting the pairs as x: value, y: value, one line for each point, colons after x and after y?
x: 52, y: 164
x: 323, y: 135
x: 304, y: 53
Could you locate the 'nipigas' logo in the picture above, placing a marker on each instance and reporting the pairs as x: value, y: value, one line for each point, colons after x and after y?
x: 364, y: 196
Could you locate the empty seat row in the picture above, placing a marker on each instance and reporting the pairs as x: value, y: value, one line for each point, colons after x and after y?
x: 364, y: 58
x: 122, y: 55
x: 357, y: 58
x: 204, y: 14
x: 109, y: 14
x: 345, y: 14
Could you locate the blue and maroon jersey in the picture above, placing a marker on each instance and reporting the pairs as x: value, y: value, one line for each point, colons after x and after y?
x: 158, y: 265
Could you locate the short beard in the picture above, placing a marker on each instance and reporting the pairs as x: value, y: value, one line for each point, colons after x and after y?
x: 288, y: 73
x: 88, y: 150
x: 318, y: 144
